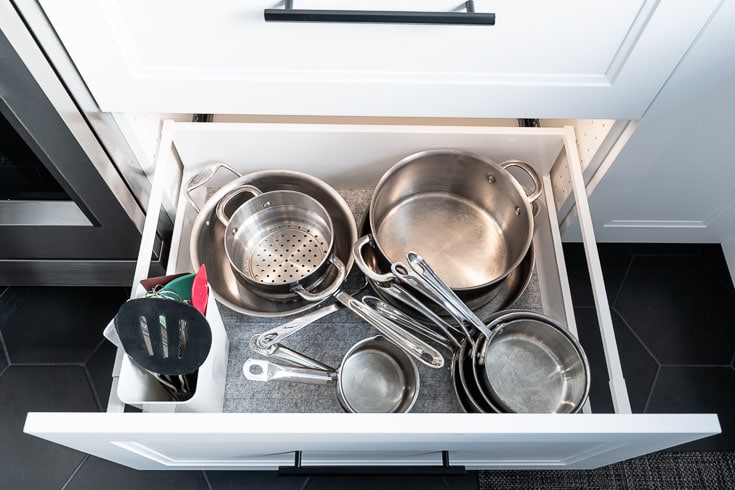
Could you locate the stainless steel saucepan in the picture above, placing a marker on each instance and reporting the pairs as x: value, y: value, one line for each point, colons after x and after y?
x: 375, y: 376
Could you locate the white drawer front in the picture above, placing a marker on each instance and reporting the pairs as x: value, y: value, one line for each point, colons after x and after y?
x: 355, y: 155
x: 542, y: 59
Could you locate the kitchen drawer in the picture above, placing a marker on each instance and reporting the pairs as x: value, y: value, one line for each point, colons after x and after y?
x: 562, y: 59
x: 353, y: 156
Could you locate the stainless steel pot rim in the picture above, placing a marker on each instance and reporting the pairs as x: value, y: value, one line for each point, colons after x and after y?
x: 407, y: 160
x: 237, y: 298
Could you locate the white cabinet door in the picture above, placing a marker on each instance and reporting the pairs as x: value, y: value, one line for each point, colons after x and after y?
x: 674, y: 180
x: 266, y: 441
x: 562, y: 59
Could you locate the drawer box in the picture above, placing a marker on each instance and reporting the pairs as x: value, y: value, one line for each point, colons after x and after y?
x: 353, y: 156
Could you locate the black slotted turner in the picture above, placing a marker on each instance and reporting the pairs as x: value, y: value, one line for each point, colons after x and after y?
x: 163, y: 336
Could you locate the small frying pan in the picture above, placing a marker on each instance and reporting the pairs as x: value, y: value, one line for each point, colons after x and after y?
x: 530, y: 364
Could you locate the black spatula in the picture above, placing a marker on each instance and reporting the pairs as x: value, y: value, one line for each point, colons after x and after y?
x: 163, y: 336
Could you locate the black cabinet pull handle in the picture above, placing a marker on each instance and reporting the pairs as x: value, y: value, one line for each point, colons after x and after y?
x: 290, y: 14
x: 445, y: 469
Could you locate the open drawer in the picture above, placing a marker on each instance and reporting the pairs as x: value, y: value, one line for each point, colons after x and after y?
x: 351, y: 156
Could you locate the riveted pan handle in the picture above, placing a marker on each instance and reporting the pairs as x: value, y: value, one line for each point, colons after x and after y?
x: 202, y: 177
x: 537, y: 185
x: 277, y: 334
x: 411, y: 344
x: 265, y: 371
x: 329, y: 291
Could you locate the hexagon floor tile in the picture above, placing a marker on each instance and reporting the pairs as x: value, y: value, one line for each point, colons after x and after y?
x: 639, y: 367
x: 36, y: 333
x: 680, y: 310
x: 29, y: 462
x: 701, y: 389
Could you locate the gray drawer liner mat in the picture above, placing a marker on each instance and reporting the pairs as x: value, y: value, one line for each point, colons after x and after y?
x: 327, y: 340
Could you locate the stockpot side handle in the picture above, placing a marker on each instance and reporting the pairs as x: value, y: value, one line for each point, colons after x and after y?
x: 331, y: 290
x: 227, y: 198
x: 202, y: 177
x: 357, y: 249
x: 537, y: 184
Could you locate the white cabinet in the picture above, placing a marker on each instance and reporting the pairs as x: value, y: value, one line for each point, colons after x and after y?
x: 674, y: 179
x: 568, y: 58
x: 353, y: 156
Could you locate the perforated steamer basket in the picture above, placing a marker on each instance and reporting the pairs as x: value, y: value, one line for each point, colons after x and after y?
x: 280, y: 245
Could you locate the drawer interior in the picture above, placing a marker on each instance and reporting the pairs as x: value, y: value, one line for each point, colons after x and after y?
x: 351, y: 158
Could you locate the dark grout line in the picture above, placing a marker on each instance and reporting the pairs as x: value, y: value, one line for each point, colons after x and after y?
x: 633, y: 332
x: 679, y: 366
x: 94, y: 351
x: 728, y: 284
x: 76, y: 470
x: 622, y: 282
x: 650, y: 391
x: 4, y: 348
x: 659, y: 253
x: 47, y: 364
x: 95, y: 395
x: 206, y: 480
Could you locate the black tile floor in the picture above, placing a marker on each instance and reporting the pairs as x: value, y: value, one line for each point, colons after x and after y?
x: 672, y: 313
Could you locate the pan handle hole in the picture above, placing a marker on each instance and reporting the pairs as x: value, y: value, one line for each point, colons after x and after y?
x: 255, y: 369
x: 143, y: 322
x: 164, y: 336
x: 183, y: 332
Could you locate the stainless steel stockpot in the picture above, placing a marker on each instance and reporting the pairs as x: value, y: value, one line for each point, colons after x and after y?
x: 461, y: 211
x: 207, y: 236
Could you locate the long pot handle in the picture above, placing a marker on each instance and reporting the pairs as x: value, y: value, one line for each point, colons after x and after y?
x: 411, y: 344
x: 202, y: 177
x: 408, y: 276
x: 357, y: 249
x: 421, y: 276
x: 422, y: 268
x: 537, y: 184
x: 329, y: 291
x: 408, y: 299
x: 406, y: 321
x: 278, y: 351
x: 277, y: 334
x: 265, y: 371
